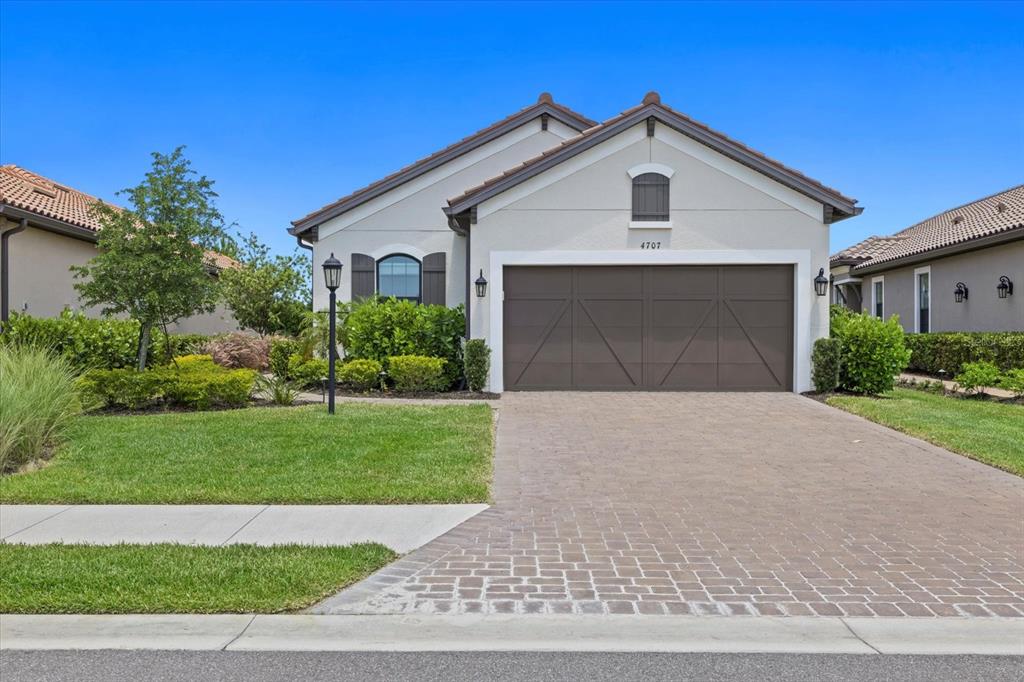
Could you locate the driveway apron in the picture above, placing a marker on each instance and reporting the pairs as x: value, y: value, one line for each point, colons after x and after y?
x: 716, y: 504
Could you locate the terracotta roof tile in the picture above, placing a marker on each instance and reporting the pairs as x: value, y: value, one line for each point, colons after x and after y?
x: 30, y: 191
x: 653, y: 100
x: 1000, y: 212
x: 544, y: 99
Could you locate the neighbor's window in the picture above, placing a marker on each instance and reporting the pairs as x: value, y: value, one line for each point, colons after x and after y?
x: 650, y: 197
x: 399, y: 276
x: 923, y: 302
x: 879, y: 293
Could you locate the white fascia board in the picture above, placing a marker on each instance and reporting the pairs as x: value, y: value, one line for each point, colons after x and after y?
x: 633, y: 135
x: 424, y: 181
x: 737, y: 170
x: 803, y: 292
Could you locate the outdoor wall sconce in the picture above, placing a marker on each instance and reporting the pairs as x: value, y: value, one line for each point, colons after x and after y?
x: 960, y: 294
x: 481, y: 285
x: 821, y: 283
x: 1005, y: 287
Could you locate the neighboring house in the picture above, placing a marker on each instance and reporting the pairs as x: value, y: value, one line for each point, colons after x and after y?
x: 957, y: 271
x: 45, y: 228
x: 646, y: 252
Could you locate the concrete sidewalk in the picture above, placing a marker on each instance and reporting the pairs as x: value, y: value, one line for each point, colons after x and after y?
x: 403, y: 528
x: 947, y: 636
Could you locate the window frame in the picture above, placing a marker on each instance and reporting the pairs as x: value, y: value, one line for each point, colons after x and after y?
x: 875, y: 281
x: 926, y: 270
x: 419, y: 264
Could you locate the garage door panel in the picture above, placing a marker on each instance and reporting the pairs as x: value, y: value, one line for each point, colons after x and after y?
x: 689, y: 313
x: 652, y: 328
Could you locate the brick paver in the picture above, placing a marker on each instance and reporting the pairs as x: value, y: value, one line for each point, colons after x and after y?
x: 716, y: 504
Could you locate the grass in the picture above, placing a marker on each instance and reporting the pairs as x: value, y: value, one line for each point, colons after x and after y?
x: 987, y: 431
x: 365, y: 454
x: 178, y: 578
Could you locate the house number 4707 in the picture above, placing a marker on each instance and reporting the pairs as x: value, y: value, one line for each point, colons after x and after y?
x: 650, y: 245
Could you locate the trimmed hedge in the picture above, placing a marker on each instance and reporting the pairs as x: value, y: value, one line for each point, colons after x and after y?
x: 195, y: 382
x: 85, y: 342
x: 948, y: 352
x: 361, y: 375
x: 379, y: 328
x: 872, y: 352
x: 477, y: 361
x: 826, y: 360
x: 306, y: 372
x: 417, y: 373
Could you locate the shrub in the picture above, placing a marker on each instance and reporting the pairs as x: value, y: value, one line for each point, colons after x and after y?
x: 976, y: 376
x: 180, y: 344
x: 872, y: 354
x: 39, y: 399
x: 417, y: 373
x: 280, y: 352
x: 1013, y: 381
x: 306, y: 372
x: 378, y: 329
x: 194, y: 362
x: 205, y: 388
x: 238, y: 350
x: 826, y: 360
x: 127, y: 388
x: 476, y: 363
x: 86, y: 343
x: 947, y: 352
x: 277, y: 389
x: 361, y: 375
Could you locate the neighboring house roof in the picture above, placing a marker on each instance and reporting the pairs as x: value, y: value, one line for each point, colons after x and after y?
x: 545, y: 105
x: 838, y: 206
x: 35, y: 194
x: 958, y: 229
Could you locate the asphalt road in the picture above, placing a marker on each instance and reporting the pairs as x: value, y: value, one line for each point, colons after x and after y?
x: 132, y: 666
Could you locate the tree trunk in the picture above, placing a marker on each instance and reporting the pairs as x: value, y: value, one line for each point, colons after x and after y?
x: 144, y: 332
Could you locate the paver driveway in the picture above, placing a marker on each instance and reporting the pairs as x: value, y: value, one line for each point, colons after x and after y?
x: 767, y: 504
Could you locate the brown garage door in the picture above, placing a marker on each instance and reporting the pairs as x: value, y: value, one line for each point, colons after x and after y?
x: 649, y: 328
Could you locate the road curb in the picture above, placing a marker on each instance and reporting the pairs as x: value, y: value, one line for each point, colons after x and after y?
x: 869, y: 636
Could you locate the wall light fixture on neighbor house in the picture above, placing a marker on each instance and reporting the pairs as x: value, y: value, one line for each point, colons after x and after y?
x: 1005, y: 287
x: 960, y: 294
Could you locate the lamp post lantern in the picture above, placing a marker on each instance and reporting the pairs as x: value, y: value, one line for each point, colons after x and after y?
x: 332, y: 278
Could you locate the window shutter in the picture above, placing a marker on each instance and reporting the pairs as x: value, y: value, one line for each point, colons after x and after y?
x: 364, y: 281
x: 433, y: 279
x: 650, y: 197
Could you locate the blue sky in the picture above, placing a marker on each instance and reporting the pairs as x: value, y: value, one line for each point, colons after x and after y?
x: 911, y: 108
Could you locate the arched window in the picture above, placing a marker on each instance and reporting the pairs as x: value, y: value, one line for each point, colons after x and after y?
x: 650, y: 197
x: 399, y: 275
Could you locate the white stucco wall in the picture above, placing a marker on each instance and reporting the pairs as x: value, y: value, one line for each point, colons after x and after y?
x: 409, y: 218
x: 721, y: 212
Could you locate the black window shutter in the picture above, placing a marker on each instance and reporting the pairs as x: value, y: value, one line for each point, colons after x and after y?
x: 364, y: 280
x: 433, y: 279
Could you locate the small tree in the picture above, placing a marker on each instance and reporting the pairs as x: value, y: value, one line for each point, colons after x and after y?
x: 152, y: 263
x: 267, y: 294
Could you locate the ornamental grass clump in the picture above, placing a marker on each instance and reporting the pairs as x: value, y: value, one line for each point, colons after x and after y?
x: 38, y: 401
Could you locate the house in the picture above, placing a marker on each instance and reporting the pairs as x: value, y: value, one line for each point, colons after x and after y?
x: 47, y: 227
x: 955, y: 271
x: 646, y: 252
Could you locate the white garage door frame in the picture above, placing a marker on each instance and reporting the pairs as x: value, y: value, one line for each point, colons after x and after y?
x: 803, y: 290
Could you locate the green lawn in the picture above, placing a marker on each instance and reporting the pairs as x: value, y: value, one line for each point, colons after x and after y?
x: 178, y: 578
x: 987, y: 431
x: 366, y: 453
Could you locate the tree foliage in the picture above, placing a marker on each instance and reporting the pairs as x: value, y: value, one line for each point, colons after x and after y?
x: 267, y: 294
x: 152, y: 263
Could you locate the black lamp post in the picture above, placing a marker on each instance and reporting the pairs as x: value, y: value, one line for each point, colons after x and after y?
x: 960, y: 293
x: 1005, y: 287
x: 481, y: 285
x: 821, y: 283
x: 332, y: 278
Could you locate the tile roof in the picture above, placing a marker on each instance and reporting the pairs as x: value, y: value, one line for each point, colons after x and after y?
x: 653, y: 101
x: 32, y: 192
x: 466, y: 144
x: 995, y: 214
